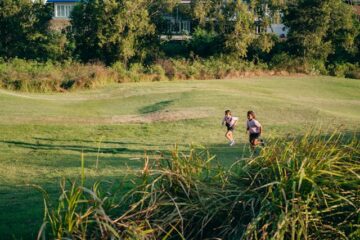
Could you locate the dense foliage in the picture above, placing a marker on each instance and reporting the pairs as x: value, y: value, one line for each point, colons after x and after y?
x: 322, y: 31
x: 25, y: 33
x: 111, y: 31
x: 323, y: 35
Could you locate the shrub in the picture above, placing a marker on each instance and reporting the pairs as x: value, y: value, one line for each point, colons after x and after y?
x: 182, y: 69
x: 168, y: 67
x: 293, y: 64
x: 353, y: 74
x: 158, y: 71
x: 32, y: 76
x: 175, y: 48
x: 205, y: 43
x: 88, y: 76
x: 121, y: 71
x: 299, y: 188
x: 345, y: 70
x: 284, y: 61
x: 136, y: 72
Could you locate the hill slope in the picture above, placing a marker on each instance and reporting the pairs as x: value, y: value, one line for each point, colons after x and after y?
x: 43, y: 135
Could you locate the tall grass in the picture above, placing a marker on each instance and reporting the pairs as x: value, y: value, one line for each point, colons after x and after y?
x: 306, y: 188
x: 299, y: 188
x: 32, y: 76
x: 80, y: 213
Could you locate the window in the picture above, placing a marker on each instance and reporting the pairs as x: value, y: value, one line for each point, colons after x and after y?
x: 185, y: 27
x: 63, y: 10
x: 178, y: 26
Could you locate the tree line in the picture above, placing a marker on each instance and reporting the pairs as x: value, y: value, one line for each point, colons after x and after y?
x: 321, y: 32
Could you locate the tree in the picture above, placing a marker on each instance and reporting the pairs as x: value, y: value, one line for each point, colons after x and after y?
x: 320, y: 28
x: 158, y: 9
x: 343, y: 32
x: 24, y: 30
x: 233, y: 21
x: 241, y: 27
x: 266, y: 13
x: 111, y: 30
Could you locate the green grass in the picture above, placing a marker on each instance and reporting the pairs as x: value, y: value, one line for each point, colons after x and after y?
x: 43, y: 135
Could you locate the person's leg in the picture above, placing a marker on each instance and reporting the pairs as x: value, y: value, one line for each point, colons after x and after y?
x: 257, y: 140
x: 261, y: 142
x: 228, y: 135
x: 253, y: 141
x: 253, y: 144
x: 232, y: 143
x: 231, y: 138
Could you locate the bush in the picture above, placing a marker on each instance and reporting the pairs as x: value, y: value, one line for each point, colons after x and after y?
x: 355, y: 74
x: 284, y: 61
x: 32, y: 76
x: 175, y: 48
x: 299, y: 188
x: 136, y: 72
x: 121, y: 71
x: 205, y: 43
x: 214, y: 68
x: 293, y: 64
x: 168, y: 67
x: 159, y: 73
x: 295, y: 189
x: 345, y: 70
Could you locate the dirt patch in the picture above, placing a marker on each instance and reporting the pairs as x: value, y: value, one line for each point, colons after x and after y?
x: 162, y: 116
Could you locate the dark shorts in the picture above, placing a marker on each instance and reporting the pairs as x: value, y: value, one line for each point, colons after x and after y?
x: 230, y: 128
x: 253, y: 136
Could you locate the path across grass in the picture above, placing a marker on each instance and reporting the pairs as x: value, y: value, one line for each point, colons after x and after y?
x: 43, y: 135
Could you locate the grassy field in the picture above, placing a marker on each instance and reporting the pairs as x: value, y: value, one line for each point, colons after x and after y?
x: 43, y: 135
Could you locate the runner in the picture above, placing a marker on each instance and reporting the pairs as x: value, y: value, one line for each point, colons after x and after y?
x: 255, y: 129
x: 230, y: 123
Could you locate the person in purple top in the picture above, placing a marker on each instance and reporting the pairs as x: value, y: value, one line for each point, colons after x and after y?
x: 254, y: 128
x: 230, y: 123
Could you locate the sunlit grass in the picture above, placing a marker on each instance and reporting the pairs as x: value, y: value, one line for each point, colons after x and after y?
x: 43, y: 135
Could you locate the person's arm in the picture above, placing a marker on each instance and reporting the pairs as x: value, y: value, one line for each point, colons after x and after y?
x: 235, y: 121
x: 259, y: 126
x: 247, y: 127
x: 223, y: 121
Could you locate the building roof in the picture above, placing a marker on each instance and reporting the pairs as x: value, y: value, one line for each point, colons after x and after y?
x: 62, y: 1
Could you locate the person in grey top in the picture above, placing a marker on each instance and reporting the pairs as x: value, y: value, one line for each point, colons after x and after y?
x: 254, y: 128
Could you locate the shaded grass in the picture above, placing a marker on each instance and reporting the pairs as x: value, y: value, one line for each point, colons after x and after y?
x: 155, y: 107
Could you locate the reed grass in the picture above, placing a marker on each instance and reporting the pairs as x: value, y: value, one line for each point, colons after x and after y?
x: 294, y: 188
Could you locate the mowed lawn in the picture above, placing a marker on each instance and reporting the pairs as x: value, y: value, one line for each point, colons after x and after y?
x: 43, y: 135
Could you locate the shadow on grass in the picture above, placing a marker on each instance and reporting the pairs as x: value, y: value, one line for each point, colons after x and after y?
x: 22, y: 207
x: 155, y: 107
x: 76, y: 148
x: 26, y: 221
x: 92, y: 141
